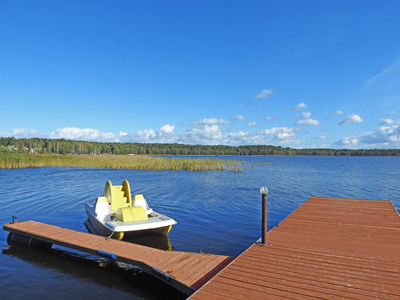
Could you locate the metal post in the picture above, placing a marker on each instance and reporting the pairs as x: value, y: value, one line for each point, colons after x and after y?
x: 264, y: 192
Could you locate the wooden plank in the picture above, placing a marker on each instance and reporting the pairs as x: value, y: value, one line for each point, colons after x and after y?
x: 178, y: 269
x: 328, y: 247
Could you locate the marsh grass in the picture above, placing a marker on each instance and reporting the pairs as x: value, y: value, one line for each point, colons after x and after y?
x: 24, y: 160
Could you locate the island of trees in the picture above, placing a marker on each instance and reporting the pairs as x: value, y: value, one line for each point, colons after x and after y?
x: 63, y: 146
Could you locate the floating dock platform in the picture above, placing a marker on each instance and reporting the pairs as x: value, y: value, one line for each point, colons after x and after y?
x: 184, y: 271
x: 328, y: 248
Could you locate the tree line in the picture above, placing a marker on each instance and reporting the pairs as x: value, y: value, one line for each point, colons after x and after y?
x: 63, y: 146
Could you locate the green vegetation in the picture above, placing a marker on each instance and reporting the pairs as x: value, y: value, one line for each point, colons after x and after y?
x: 11, y: 160
x: 62, y: 146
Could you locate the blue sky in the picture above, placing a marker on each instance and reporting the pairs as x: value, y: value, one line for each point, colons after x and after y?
x: 302, y: 74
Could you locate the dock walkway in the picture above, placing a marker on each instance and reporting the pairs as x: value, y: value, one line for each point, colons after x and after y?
x: 184, y: 271
x: 328, y: 248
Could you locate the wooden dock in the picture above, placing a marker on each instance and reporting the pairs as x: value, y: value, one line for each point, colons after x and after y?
x: 184, y: 271
x: 328, y: 248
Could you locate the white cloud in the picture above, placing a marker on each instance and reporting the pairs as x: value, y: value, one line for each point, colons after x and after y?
x: 383, y: 137
x: 213, y: 121
x: 279, y: 136
x: 348, y: 142
x: 353, y: 118
x: 166, y: 129
x: 165, y: 134
x: 339, y: 112
x: 251, y: 124
x: 145, y: 135
x: 206, y: 131
x: 298, y: 106
x: 306, y: 120
x: 281, y: 133
x: 387, y: 121
x: 237, y: 118
x: 321, y: 137
x: 245, y: 138
x: 86, y: 134
x: 24, y: 133
x: 264, y: 94
x: 203, y: 134
x: 270, y: 118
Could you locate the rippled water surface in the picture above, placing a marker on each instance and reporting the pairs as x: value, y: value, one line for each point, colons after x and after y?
x: 217, y: 212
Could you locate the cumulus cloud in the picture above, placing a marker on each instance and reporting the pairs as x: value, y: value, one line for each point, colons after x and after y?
x: 306, y: 120
x: 281, y: 133
x: 245, y: 138
x: 339, y: 112
x: 206, y: 131
x: 298, y: 106
x: 270, y: 118
x: 273, y: 136
x: 237, y: 118
x: 144, y: 135
x: 387, y: 121
x: 353, y: 118
x: 23, y: 133
x: 348, y: 142
x: 384, y: 136
x: 166, y: 130
x: 165, y: 134
x: 321, y: 137
x: 213, y: 121
x: 251, y: 124
x: 87, y: 134
x: 264, y: 94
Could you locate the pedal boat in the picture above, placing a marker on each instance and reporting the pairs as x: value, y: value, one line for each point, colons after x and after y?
x: 116, y: 214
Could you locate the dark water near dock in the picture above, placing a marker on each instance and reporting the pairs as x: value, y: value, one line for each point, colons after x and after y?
x: 217, y: 212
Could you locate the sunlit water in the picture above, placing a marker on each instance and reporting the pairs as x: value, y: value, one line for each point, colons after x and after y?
x: 217, y: 212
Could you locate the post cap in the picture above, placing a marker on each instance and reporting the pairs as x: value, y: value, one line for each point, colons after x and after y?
x: 264, y: 190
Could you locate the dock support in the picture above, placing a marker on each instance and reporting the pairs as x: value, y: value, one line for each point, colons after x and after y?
x: 264, y: 192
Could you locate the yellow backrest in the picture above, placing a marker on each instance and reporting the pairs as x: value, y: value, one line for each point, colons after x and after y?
x: 119, y: 196
x: 131, y: 214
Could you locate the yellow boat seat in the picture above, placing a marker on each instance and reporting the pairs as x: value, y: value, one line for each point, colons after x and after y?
x: 131, y: 214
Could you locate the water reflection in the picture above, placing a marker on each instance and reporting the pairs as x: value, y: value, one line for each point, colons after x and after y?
x: 150, y: 240
x: 83, y: 275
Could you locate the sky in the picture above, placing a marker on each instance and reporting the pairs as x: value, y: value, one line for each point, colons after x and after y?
x: 300, y: 74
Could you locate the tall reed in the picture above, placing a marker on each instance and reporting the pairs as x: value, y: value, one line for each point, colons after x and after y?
x: 139, y: 162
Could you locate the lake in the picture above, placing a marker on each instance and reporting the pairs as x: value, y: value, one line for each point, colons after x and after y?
x: 217, y: 212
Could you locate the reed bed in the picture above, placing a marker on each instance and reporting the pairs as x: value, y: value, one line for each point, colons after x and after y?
x: 24, y: 160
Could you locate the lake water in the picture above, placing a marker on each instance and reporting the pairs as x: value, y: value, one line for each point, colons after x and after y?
x: 217, y: 212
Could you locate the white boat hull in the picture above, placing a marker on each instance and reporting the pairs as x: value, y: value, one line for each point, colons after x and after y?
x: 156, y: 223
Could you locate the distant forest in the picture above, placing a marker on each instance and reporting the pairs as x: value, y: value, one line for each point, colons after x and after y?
x: 63, y: 146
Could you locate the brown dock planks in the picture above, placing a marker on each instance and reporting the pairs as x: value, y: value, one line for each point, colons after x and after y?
x: 327, y: 248
x: 186, y: 269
